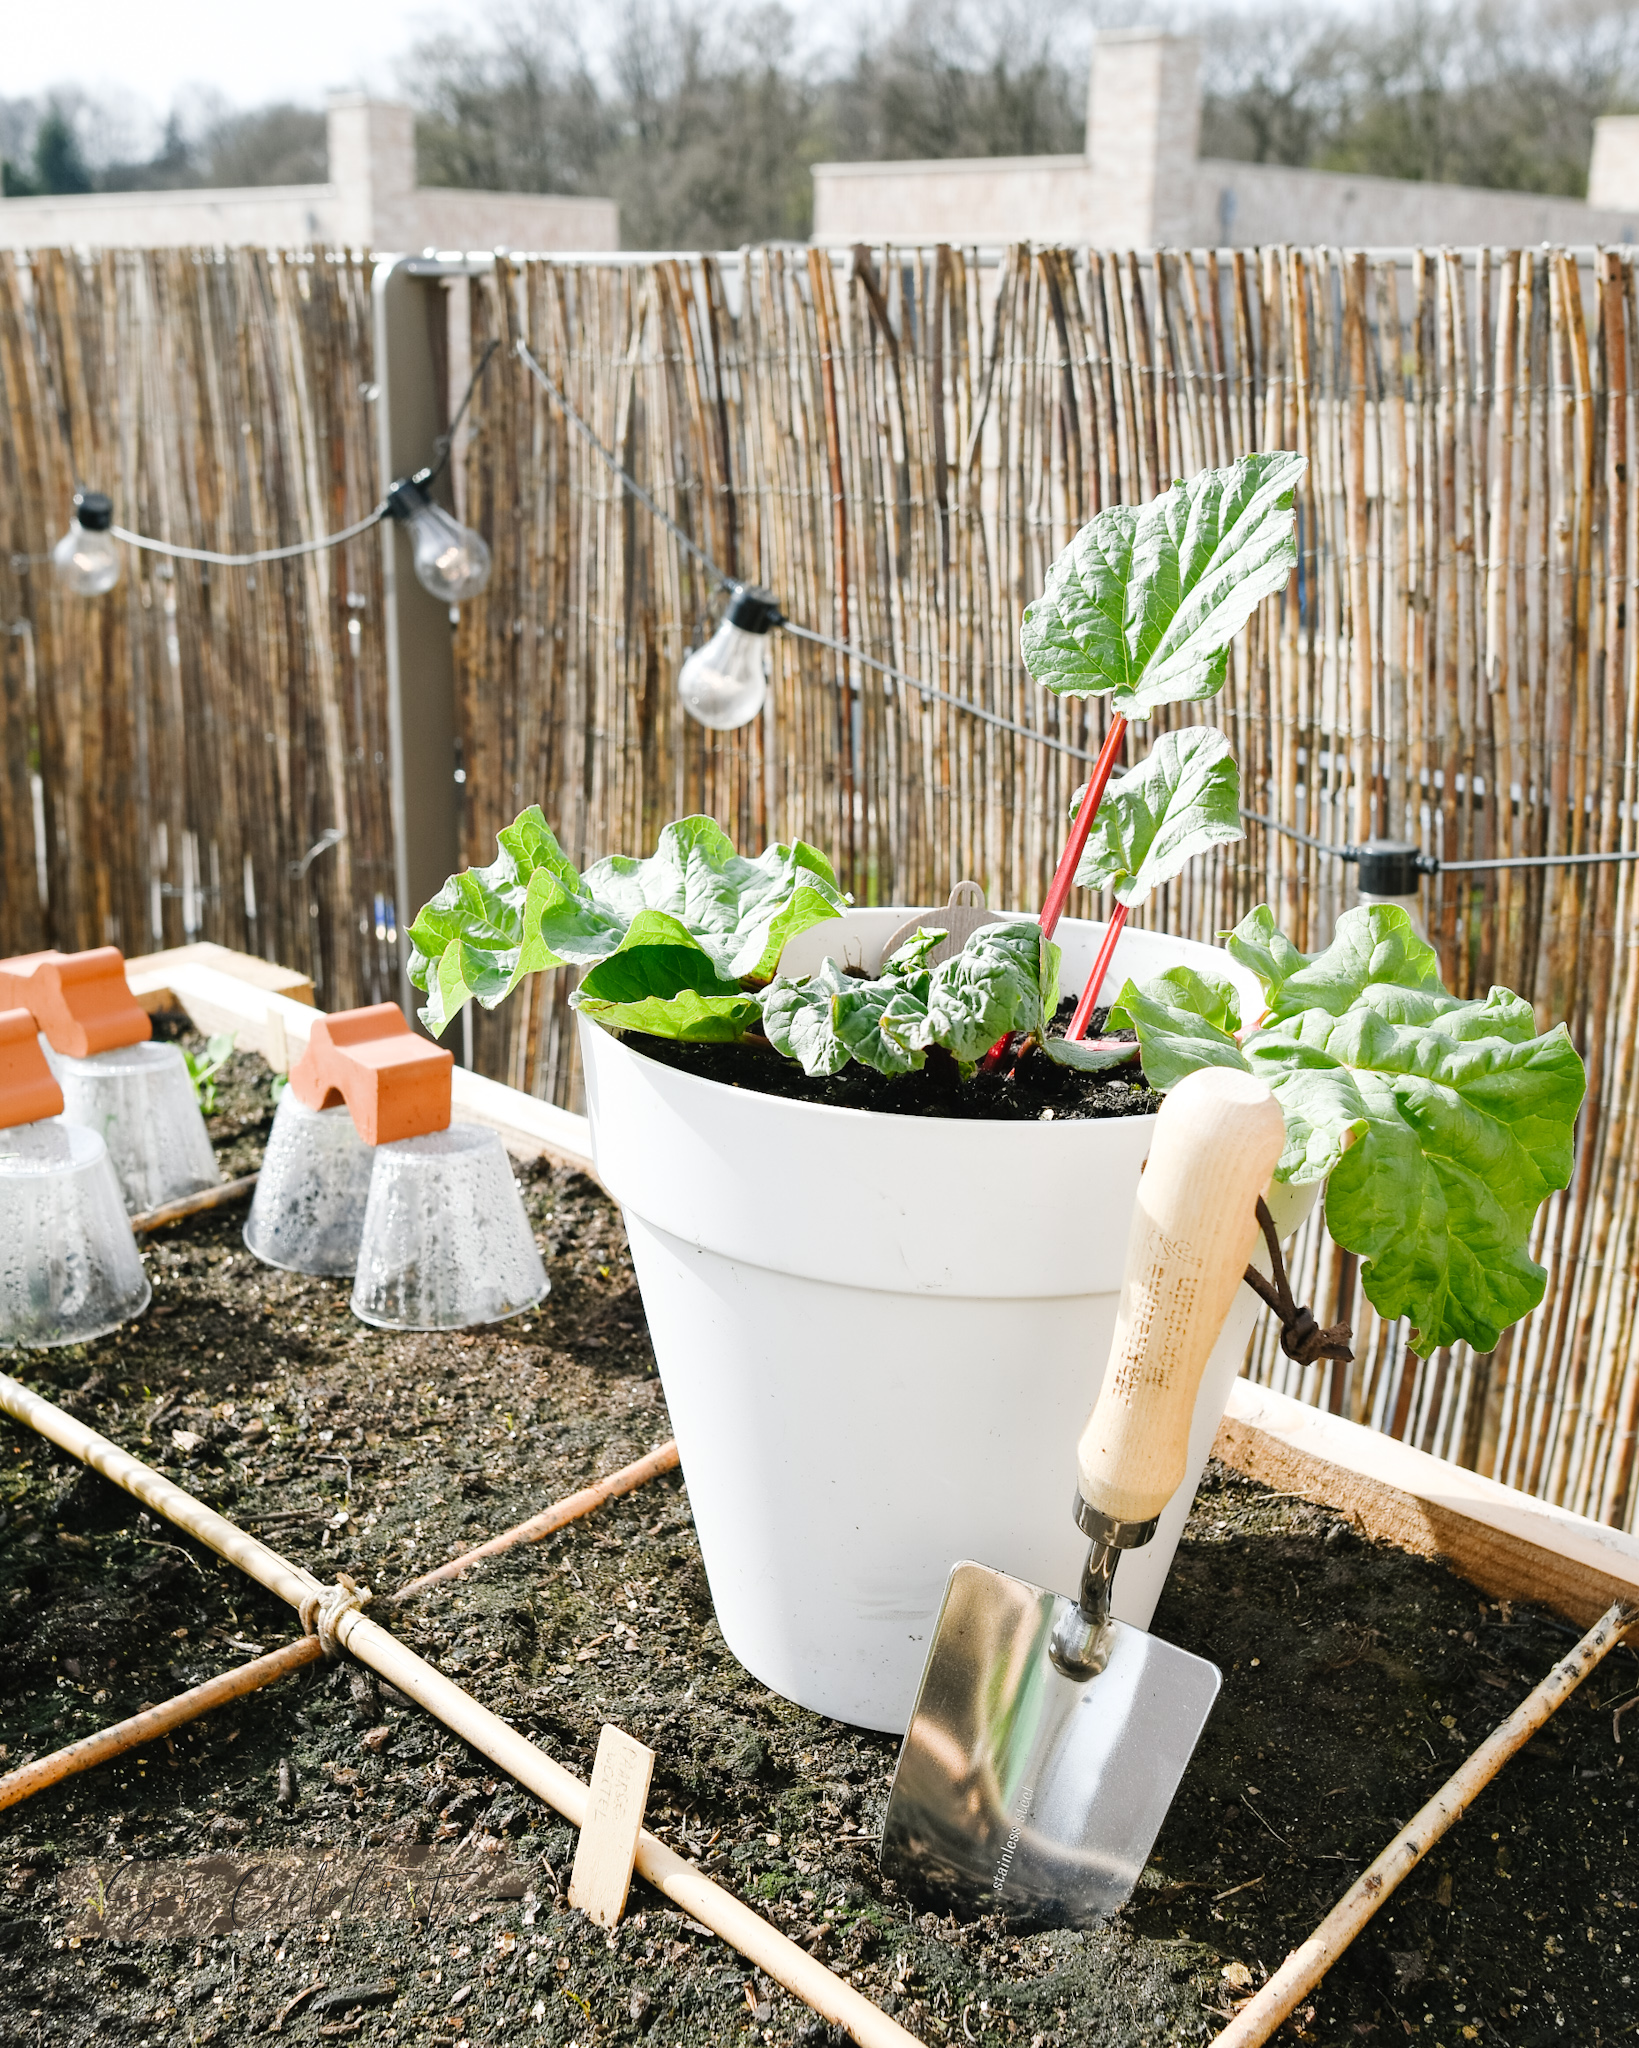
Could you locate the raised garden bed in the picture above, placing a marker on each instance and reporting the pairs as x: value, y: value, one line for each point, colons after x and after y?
x: 1355, y: 1677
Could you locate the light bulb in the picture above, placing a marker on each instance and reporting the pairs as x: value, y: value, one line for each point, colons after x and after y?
x: 723, y: 684
x: 86, y: 559
x: 1389, y: 873
x: 451, y: 561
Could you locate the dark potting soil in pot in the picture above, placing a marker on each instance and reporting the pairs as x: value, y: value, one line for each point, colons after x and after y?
x: 1033, y: 1090
x: 1355, y: 1678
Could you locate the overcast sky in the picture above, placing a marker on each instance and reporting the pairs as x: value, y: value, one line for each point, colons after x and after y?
x: 281, y: 49
x: 155, y: 51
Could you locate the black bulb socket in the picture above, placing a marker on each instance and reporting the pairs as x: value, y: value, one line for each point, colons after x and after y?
x: 1389, y: 867
x: 754, y: 610
x: 406, y: 496
x: 94, y: 511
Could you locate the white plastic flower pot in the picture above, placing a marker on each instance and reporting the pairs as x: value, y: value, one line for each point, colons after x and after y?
x: 879, y: 1337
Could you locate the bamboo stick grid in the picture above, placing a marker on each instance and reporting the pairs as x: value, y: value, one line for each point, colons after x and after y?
x: 897, y: 442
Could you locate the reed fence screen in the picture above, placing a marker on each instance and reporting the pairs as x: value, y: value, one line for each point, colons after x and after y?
x: 897, y: 443
x: 202, y: 753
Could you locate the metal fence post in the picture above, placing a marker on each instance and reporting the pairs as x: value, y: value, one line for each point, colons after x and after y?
x: 409, y: 299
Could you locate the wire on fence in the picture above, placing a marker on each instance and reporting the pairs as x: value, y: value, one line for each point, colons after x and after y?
x: 1431, y: 863
x: 441, y: 456
x: 726, y: 582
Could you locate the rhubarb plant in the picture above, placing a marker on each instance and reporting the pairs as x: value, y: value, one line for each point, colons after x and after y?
x: 675, y: 942
x: 686, y: 943
x: 1439, y: 1124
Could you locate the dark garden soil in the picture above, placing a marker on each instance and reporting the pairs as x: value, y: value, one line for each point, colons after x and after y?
x: 1025, y: 1089
x: 1355, y: 1678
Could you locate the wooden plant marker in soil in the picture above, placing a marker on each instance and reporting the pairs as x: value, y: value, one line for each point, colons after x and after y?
x: 558, y: 1516
x: 1305, y: 1966
x: 683, y: 1883
x: 153, y: 1722
x: 961, y: 917
x: 602, y: 1875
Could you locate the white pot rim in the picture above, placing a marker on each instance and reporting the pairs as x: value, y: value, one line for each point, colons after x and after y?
x: 973, y: 1206
x: 834, y: 1112
x: 1083, y: 936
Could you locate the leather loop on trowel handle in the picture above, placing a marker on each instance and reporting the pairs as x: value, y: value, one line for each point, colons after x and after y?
x: 1217, y: 1139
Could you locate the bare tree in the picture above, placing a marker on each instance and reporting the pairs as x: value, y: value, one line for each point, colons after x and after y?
x: 1499, y: 93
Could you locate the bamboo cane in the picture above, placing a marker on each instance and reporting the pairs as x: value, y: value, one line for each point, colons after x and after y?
x: 223, y: 1197
x: 570, y: 1509
x: 28, y: 1779
x: 683, y: 1883
x: 1305, y: 1966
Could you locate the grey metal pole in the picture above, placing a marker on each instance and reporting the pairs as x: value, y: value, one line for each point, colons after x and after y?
x: 420, y: 649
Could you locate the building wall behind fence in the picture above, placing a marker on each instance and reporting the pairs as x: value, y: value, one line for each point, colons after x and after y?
x: 897, y: 443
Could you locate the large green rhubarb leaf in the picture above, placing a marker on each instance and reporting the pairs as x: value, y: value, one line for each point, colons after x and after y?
x: 1184, y: 1020
x: 1375, y: 945
x: 662, y: 980
x: 1185, y: 797
x: 530, y: 911
x: 1006, y: 978
x: 1145, y: 600
x: 742, y: 911
x: 489, y: 927
x: 1441, y: 1125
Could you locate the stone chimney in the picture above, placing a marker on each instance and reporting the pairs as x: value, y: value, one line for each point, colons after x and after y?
x: 1613, y: 169
x: 372, y: 170
x: 1143, y: 135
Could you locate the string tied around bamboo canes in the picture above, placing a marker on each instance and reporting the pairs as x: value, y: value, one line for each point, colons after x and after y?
x: 1301, y: 1337
x: 322, y: 1613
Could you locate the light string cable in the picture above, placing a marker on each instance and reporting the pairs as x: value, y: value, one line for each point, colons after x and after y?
x: 441, y: 456
x: 727, y: 582
x: 1432, y: 864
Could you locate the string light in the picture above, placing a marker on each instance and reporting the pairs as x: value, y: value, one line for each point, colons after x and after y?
x: 451, y: 561
x: 86, y: 559
x: 724, y: 683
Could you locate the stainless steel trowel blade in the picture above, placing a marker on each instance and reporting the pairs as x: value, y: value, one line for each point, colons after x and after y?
x: 1024, y: 1792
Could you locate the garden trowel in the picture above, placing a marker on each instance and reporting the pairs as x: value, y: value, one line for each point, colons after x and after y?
x: 1048, y: 1739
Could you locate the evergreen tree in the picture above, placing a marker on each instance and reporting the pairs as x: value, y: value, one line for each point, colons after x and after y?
x: 58, y: 164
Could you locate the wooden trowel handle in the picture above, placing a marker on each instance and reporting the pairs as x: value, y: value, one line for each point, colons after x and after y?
x: 1217, y: 1140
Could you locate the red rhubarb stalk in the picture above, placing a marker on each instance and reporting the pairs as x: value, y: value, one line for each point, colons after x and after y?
x: 1101, y: 967
x: 1065, y: 878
